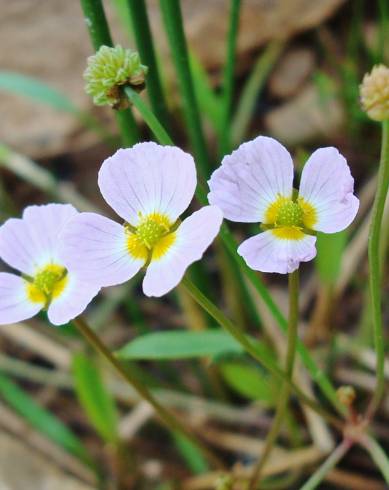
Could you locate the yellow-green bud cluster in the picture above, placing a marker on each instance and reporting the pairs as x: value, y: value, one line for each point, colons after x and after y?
x: 346, y: 395
x: 374, y: 91
x: 109, y: 70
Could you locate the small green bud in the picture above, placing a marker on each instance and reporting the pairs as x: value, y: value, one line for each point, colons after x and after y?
x: 346, y: 395
x: 109, y: 70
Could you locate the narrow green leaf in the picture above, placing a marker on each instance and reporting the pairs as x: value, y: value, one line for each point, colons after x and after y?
x: 95, y: 399
x: 180, y: 345
x: 330, y: 250
x: 173, y: 22
x: 192, y: 455
x: 41, y: 419
x: 249, y: 382
x: 211, y: 104
x: 36, y: 90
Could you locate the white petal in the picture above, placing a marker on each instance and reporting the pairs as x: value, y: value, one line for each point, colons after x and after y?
x: 327, y: 184
x: 267, y: 253
x: 193, y: 237
x: 148, y: 178
x: 31, y: 242
x: 95, y: 248
x: 250, y: 180
x: 72, y: 301
x: 15, y: 306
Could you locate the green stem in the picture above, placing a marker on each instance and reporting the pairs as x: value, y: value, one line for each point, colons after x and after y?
x: 144, y: 41
x: 252, y: 349
x: 228, y: 77
x: 229, y: 242
x: 100, y: 35
x: 149, y: 118
x: 172, y: 18
x: 284, y: 394
x: 96, y: 22
x: 317, y: 374
x: 128, y: 128
x: 375, y: 269
x: 378, y: 455
x: 167, y: 418
x: 327, y: 466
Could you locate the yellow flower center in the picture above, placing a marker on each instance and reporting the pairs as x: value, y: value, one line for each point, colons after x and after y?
x: 47, y: 284
x: 288, y: 219
x: 152, y: 238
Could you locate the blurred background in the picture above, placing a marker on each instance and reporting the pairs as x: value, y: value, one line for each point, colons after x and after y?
x: 299, y: 66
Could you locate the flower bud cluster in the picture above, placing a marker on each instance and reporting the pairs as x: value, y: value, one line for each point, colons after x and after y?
x: 374, y: 91
x: 109, y: 70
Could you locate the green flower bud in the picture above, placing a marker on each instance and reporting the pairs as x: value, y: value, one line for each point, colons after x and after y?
x: 346, y: 395
x: 374, y: 91
x: 109, y: 71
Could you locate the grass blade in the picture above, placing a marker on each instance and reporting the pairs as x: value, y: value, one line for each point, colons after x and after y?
x: 178, y: 344
x: 172, y: 18
x: 41, y: 419
x: 94, y: 398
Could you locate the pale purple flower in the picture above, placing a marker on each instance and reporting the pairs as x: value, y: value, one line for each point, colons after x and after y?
x: 255, y: 185
x: 149, y: 186
x: 31, y: 246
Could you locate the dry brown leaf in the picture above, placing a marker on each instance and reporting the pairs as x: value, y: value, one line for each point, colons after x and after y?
x: 306, y: 117
x: 291, y: 72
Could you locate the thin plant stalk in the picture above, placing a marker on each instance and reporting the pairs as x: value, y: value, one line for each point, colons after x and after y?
x: 375, y: 269
x: 173, y: 21
x: 128, y: 128
x: 246, y: 343
x: 317, y: 374
x: 141, y: 26
x: 228, y: 76
x: 100, y: 35
x: 328, y: 465
x: 96, y: 22
x: 377, y: 454
x: 149, y: 118
x: 167, y: 418
x: 283, y: 397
